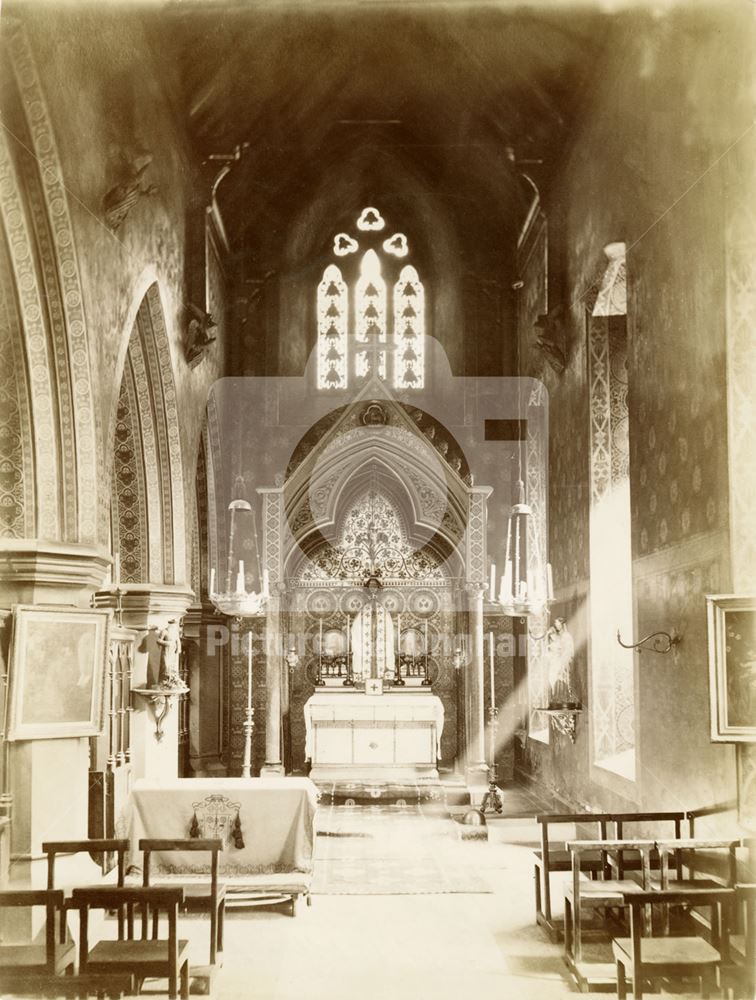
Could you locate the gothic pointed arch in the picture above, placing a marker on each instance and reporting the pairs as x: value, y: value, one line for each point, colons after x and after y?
x: 53, y: 477
x: 148, y: 519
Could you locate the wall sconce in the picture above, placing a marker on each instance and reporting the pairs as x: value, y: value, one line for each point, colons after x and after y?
x: 664, y: 642
x: 160, y: 697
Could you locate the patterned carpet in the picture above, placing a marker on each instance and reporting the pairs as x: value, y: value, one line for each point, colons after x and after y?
x: 397, y: 849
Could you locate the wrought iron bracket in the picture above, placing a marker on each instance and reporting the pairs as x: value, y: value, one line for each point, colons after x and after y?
x: 664, y: 642
x: 159, y: 699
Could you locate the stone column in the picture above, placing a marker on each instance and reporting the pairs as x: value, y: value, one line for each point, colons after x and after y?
x: 49, y: 778
x: 206, y: 646
x: 476, y: 768
x: 148, y: 607
x: 273, y: 662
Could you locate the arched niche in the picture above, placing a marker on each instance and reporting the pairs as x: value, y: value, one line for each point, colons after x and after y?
x: 147, y: 492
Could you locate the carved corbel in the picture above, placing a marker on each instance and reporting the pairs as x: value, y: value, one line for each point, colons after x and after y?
x: 122, y: 197
x: 200, y: 333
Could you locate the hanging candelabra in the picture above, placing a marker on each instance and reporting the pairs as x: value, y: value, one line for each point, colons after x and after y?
x: 526, y: 586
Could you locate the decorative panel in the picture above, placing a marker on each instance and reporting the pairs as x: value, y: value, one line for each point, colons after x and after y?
x: 130, y: 531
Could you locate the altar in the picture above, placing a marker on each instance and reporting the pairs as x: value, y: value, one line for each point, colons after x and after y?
x: 388, y: 737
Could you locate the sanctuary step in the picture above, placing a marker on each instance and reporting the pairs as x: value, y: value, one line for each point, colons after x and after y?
x: 350, y: 792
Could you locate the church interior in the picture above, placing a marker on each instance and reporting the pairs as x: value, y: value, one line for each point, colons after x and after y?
x: 377, y: 546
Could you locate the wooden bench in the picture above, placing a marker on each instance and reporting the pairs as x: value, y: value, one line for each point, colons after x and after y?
x: 558, y: 859
x: 645, y: 958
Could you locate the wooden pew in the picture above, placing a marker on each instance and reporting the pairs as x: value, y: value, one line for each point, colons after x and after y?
x: 607, y: 825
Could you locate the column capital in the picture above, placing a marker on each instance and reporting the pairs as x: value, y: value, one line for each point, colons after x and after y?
x: 475, y: 589
x: 36, y: 571
x: 146, y: 603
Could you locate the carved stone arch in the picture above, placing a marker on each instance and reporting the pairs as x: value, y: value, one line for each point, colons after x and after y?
x: 68, y: 448
x: 149, y: 514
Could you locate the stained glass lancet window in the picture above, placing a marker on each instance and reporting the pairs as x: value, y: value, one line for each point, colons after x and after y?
x: 370, y: 314
x: 409, y: 330
x: 333, y: 311
x: 389, y: 333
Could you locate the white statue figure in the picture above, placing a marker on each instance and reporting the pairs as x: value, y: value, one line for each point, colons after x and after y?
x: 560, y: 652
x: 169, y: 640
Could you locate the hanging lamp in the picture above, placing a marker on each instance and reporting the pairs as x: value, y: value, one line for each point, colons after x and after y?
x: 526, y: 586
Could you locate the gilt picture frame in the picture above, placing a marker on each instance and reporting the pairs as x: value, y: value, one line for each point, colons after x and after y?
x: 731, y: 620
x: 56, y: 671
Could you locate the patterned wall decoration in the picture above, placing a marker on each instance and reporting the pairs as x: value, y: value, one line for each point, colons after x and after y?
x: 396, y: 556
x: 80, y: 435
x: 147, y: 454
x: 130, y: 532
x: 16, y: 468
x: 30, y: 302
x: 740, y: 247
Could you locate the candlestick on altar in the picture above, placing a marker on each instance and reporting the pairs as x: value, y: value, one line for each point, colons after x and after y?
x: 426, y: 679
x: 491, y: 665
x: 248, y: 725
x: 249, y: 669
x: 211, y: 591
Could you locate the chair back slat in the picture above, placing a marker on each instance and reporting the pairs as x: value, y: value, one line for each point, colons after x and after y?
x: 110, y: 897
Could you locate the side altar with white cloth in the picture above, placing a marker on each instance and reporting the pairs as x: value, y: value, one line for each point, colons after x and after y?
x: 394, y: 736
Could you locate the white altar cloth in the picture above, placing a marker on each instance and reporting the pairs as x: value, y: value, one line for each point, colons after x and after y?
x: 275, y: 832
x: 356, y: 707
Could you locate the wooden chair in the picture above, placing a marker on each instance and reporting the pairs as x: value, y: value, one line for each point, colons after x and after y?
x: 52, y: 848
x: 199, y: 897
x: 599, y: 894
x: 54, y: 957
x: 158, y: 958
x: 742, y: 971
x: 558, y: 859
x: 652, y: 958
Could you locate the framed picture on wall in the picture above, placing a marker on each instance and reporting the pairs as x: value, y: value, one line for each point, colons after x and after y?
x: 732, y: 667
x: 56, y: 670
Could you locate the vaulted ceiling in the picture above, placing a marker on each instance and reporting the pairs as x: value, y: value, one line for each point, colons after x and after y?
x: 342, y: 102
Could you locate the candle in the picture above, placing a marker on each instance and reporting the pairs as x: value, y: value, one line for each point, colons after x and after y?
x: 491, y: 666
x: 265, y: 590
x: 212, y: 582
x: 240, y: 585
x: 249, y: 670
x: 116, y: 569
x: 426, y: 637
x: 492, y: 585
x: 320, y: 642
x: 549, y: 583
x: 399, y: 633
x: 349, y: 634
x: 507, y: 581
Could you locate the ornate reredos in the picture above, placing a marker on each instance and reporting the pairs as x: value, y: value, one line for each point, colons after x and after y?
x: 374, y: 445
